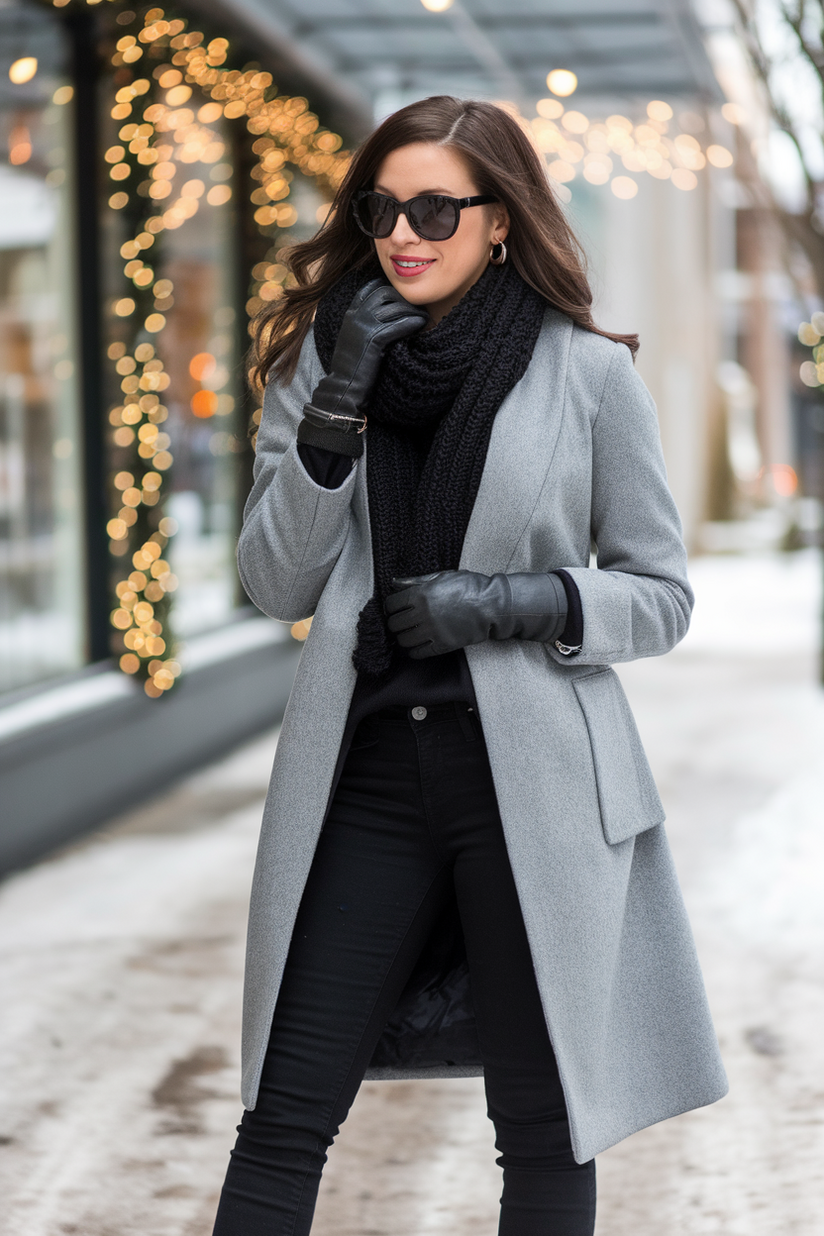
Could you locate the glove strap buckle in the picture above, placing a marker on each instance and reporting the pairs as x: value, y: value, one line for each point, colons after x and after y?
x: 334, y: 420
x: 567, y: 650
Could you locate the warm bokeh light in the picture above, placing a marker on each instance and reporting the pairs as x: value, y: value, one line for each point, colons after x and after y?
x: 809, y: 333
x: 658, y: 110
x: 561, y: 171
x: 575, y: 122
x: 202, y: 366
x: 437, y: 6
x: 179, y: 95
x: 23, y: 70
x: 209, y: 113
x: 719, y: 156
x: 689, y: 152
x: 204, y: 404
x: 219, y: 195
x: 619, y: 123
x: 19, y: 145
x: 624, y: 187
x: 733, y: 113
x: 597, y: 169
x: 562, y: 82
x: 641, y: 147
x: 784, y: 479
x: 684, y: 179
x: 550, y: 109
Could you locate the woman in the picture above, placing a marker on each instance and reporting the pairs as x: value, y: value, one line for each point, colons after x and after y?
x: 462, y: 867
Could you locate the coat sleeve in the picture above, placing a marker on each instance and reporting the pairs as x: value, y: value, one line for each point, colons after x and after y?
x: 293, y: 528
x: 638, y: 602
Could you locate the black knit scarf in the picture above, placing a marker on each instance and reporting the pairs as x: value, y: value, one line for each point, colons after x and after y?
x: 430, y: 418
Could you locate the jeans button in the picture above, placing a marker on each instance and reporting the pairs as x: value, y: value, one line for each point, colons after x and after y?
x: 419, y: 713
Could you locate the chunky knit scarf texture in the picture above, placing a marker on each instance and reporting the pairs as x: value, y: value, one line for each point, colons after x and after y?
x: 430, y: 417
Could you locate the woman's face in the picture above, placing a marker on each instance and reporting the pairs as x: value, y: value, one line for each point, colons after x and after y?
x: 441, y: 271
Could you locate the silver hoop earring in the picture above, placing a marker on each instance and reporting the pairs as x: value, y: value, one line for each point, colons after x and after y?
x: 498, y: 259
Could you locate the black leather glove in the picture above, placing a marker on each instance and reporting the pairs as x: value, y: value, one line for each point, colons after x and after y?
x: 433, y: 614
x: 377, y: 317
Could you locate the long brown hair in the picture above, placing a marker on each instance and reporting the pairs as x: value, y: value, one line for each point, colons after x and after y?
x: 503, y: 162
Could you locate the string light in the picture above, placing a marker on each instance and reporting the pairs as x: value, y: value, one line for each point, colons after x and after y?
x: 811, y: 335
x: 22, y: 70
x: 19, y: 145
x: 159, y: 137
x: 562, y: 82
x: 604, y: 150
x: 733, y: 113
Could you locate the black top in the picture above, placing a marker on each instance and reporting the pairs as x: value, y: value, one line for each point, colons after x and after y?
x: 434, y: 680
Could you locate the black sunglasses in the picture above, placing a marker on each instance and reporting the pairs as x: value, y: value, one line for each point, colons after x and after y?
x: 433, y: 216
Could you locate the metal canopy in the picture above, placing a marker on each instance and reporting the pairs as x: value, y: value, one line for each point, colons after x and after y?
x: 641, y: 49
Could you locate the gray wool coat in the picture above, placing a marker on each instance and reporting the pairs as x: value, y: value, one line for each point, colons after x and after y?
x: 574, y: 457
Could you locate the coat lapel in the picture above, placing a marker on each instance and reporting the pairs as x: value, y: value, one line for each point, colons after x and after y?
x: 520, y: 453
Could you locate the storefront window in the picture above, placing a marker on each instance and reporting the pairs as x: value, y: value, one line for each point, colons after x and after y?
x: 197, y: 171
x: 205, y: 367
x: 42, y: 620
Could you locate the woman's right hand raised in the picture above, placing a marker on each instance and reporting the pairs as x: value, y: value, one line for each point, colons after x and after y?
x: 377, y: 317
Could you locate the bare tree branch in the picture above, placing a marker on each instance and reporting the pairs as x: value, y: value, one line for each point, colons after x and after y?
x: 803, y: 228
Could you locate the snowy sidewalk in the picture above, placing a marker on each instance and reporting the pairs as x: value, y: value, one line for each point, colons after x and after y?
x: 120, y: 969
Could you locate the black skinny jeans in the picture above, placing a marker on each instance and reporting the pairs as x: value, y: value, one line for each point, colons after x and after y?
x: 414, y: 817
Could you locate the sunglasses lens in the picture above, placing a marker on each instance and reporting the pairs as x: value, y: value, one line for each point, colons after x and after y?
x: 376, y: 214
x: 432, y: 217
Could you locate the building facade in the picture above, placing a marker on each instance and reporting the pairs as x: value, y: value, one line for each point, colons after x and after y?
x: 151, y: 171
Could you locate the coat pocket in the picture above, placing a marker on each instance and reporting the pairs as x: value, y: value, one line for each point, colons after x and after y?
x: 627, y: 793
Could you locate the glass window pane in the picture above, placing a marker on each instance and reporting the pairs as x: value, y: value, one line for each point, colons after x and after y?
x: 200, y: 347
x: 41, y: 545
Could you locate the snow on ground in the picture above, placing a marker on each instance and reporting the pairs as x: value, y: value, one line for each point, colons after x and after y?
x: 120, y: 967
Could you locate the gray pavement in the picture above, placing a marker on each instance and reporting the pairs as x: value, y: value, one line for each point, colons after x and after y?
x: 120, y: 968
